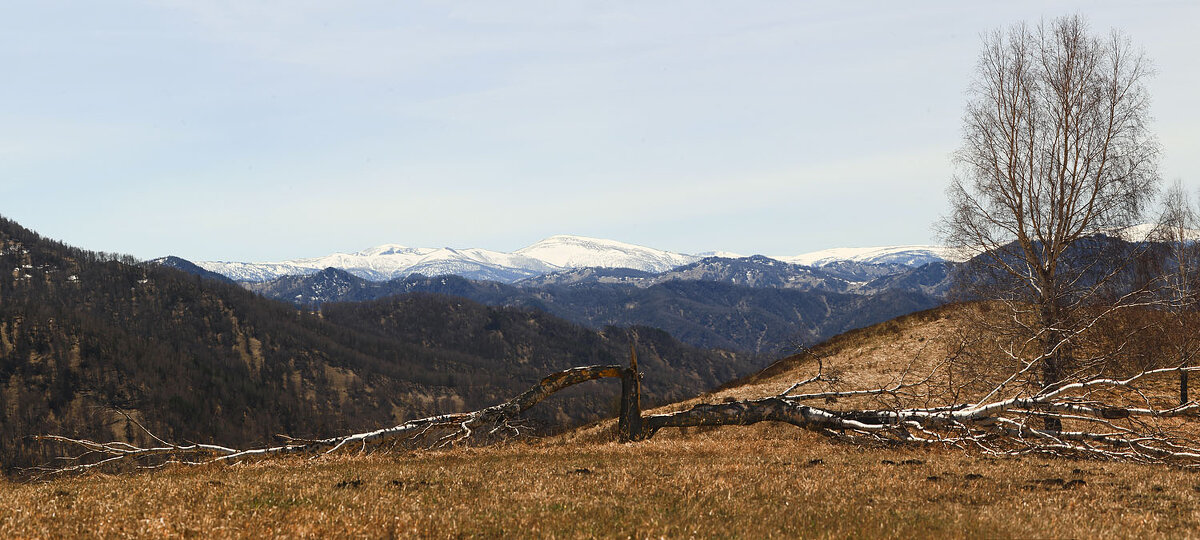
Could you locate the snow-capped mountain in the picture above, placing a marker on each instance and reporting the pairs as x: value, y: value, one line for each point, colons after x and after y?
x: 581, y: 252
x: 390, y: 261
x: 905, y: 255
x: 554, y: 254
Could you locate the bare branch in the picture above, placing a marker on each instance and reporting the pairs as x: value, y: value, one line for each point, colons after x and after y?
x: 450, y: 428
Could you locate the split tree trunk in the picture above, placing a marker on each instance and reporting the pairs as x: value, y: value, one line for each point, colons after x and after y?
x: 629, y: 420
x: 1183, y: 387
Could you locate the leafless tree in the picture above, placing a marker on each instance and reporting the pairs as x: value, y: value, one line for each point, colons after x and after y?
x: 1055, y: 150
x: 1179, y: 233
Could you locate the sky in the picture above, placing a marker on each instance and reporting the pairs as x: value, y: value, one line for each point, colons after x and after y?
x: 258, y: 131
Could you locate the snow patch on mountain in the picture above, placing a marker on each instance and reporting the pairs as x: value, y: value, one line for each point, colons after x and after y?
x: 580, y: 251
x: 721, y: 254
x: 244, y: 271
x: 905, y: 255
x: 391, y: 261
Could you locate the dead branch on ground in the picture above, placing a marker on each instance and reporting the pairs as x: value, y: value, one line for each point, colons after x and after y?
x: 438, y: 431
x: 1107, y: 418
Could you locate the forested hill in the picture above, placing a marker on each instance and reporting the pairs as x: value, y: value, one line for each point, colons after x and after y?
x: 84, y: 335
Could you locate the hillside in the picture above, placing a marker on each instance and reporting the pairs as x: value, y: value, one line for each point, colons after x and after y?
x: 869, y: 357
x: 85, y: 335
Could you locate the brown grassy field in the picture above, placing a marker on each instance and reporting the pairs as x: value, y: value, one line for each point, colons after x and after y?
x: 757, y: 482
x: 763, y: 481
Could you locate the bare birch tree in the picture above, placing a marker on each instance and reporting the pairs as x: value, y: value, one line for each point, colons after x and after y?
x: 1180, y: 274
x: 1055, y: 150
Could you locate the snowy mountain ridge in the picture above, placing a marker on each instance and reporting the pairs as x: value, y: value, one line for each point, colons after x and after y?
x: 554, y: 254
x: 905, y: 255
x: 566, y: 251
x: 392, y: 261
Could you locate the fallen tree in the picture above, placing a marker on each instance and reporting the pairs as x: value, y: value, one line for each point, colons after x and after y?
x: 436, y: 431
x: 1004, y: 426
x: 1108, y: 418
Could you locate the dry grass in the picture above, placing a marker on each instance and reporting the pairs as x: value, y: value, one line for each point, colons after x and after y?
x: 757, y: 482
x: 870, y: 357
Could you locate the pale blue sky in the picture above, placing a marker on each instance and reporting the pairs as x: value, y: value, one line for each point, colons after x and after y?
x: 244, y: 130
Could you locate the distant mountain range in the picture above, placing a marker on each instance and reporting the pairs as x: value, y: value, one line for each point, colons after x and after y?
x: 752, y: 304
x: 755, y: 304
x: 555, y: 254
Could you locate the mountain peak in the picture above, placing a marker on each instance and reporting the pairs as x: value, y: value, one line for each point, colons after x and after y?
x: 575, y: 239
x: 723, y: 254
x: 384, y: 249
